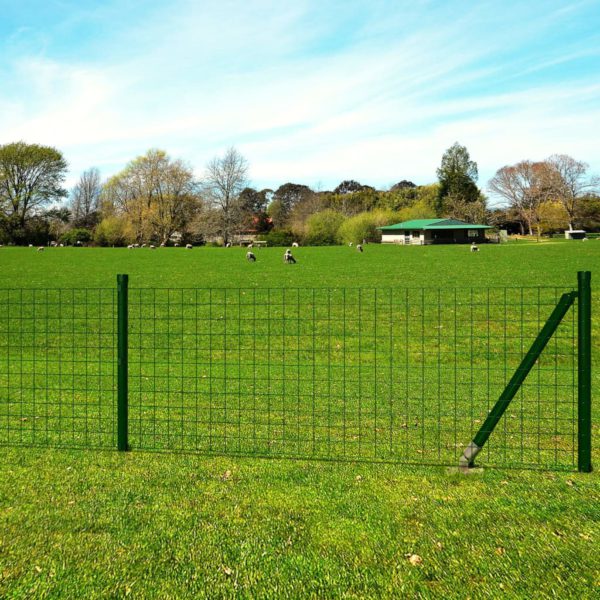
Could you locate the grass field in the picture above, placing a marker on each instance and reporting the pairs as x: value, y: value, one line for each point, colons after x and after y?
x: 517, y: 263
x: 97, y: 524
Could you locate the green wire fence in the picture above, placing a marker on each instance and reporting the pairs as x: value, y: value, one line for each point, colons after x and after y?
x: 404, y: 375
x: 58, y: 366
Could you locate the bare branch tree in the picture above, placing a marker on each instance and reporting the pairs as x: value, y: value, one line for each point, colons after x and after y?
x: 158, y: 195
x: 224, y: 180
x: 523, y: 186
x: 566, y: 178
x: 85, y: 199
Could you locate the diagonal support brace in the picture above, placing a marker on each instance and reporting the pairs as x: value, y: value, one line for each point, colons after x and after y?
x: 529, y: 360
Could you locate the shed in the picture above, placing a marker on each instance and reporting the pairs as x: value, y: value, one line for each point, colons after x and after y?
x: 575, y: 234
x: 433, y: 231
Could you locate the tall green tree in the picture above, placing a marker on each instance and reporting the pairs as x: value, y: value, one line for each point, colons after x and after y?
x: 402, y: 185
x: 252, y: 205
x: 31, y: 177
x: 285, y: 198
x: 349, y: 186
x: 457, y: 176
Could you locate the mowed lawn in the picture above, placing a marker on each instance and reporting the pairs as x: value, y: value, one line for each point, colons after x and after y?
x: 83, y: 523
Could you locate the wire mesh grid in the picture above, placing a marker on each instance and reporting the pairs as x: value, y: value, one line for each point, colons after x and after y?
x: 404, y: 375
x: 57, y: 367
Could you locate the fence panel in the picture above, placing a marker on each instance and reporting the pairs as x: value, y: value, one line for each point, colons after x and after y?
x: 57, y: 367
x: 404, y: 375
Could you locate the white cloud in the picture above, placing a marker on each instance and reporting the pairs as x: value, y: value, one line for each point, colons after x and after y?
x: 302, y: 101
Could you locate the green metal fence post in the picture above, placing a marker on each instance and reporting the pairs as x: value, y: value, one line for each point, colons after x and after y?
x: 584, y: 383
x: 122, y: 347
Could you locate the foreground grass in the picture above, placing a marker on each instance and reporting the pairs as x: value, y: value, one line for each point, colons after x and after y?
x: 86, y: 524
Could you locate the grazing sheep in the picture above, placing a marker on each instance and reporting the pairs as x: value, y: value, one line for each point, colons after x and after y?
x: 176, y: 245
x: 474, y: 247
x: 143, y: 246
x: 40, y: 249
x: 288, y: 258
x: 189, y: 246
x: 250, y: 257
x: 62, y: 245
x: 163, y: 245
x: 228, y: 245
x: 350, y: 244
x: 130, y: 247
x: 31, y: 245
x: 152, y: 247
x: 250, y: 246
x: 359, y: 247
x: 294, y: 244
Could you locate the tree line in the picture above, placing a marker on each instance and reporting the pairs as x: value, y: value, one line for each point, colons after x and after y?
x: 158, y: 199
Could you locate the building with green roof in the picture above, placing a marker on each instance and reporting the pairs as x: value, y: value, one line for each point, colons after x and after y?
x: 433, y: 231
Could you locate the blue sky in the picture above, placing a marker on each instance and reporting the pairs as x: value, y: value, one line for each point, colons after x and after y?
x: 309, y: 91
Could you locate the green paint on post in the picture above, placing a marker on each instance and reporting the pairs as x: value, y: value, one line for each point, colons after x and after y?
x: 540, y: 342
x: 584, y: 384
x: 122, y: 376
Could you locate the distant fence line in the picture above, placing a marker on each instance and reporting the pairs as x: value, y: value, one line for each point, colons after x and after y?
x: 413, y: 375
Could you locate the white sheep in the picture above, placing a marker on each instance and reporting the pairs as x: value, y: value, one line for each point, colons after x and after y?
x: 250, y: 246
x: 295, y: 244
x: 474, y: 247
x: 359, y: 247
x: 189, y: 246
x: 250, y: 257
x: 152, y: 247
x: 288, y: 257
x: 40, y: 249
x: 350, y: 244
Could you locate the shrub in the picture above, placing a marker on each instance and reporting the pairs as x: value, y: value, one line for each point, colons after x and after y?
x: 364, y: 226
x: 112, y: 231
x: 322, y: 228
x: 279, y: 237
x: 71, y: 237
